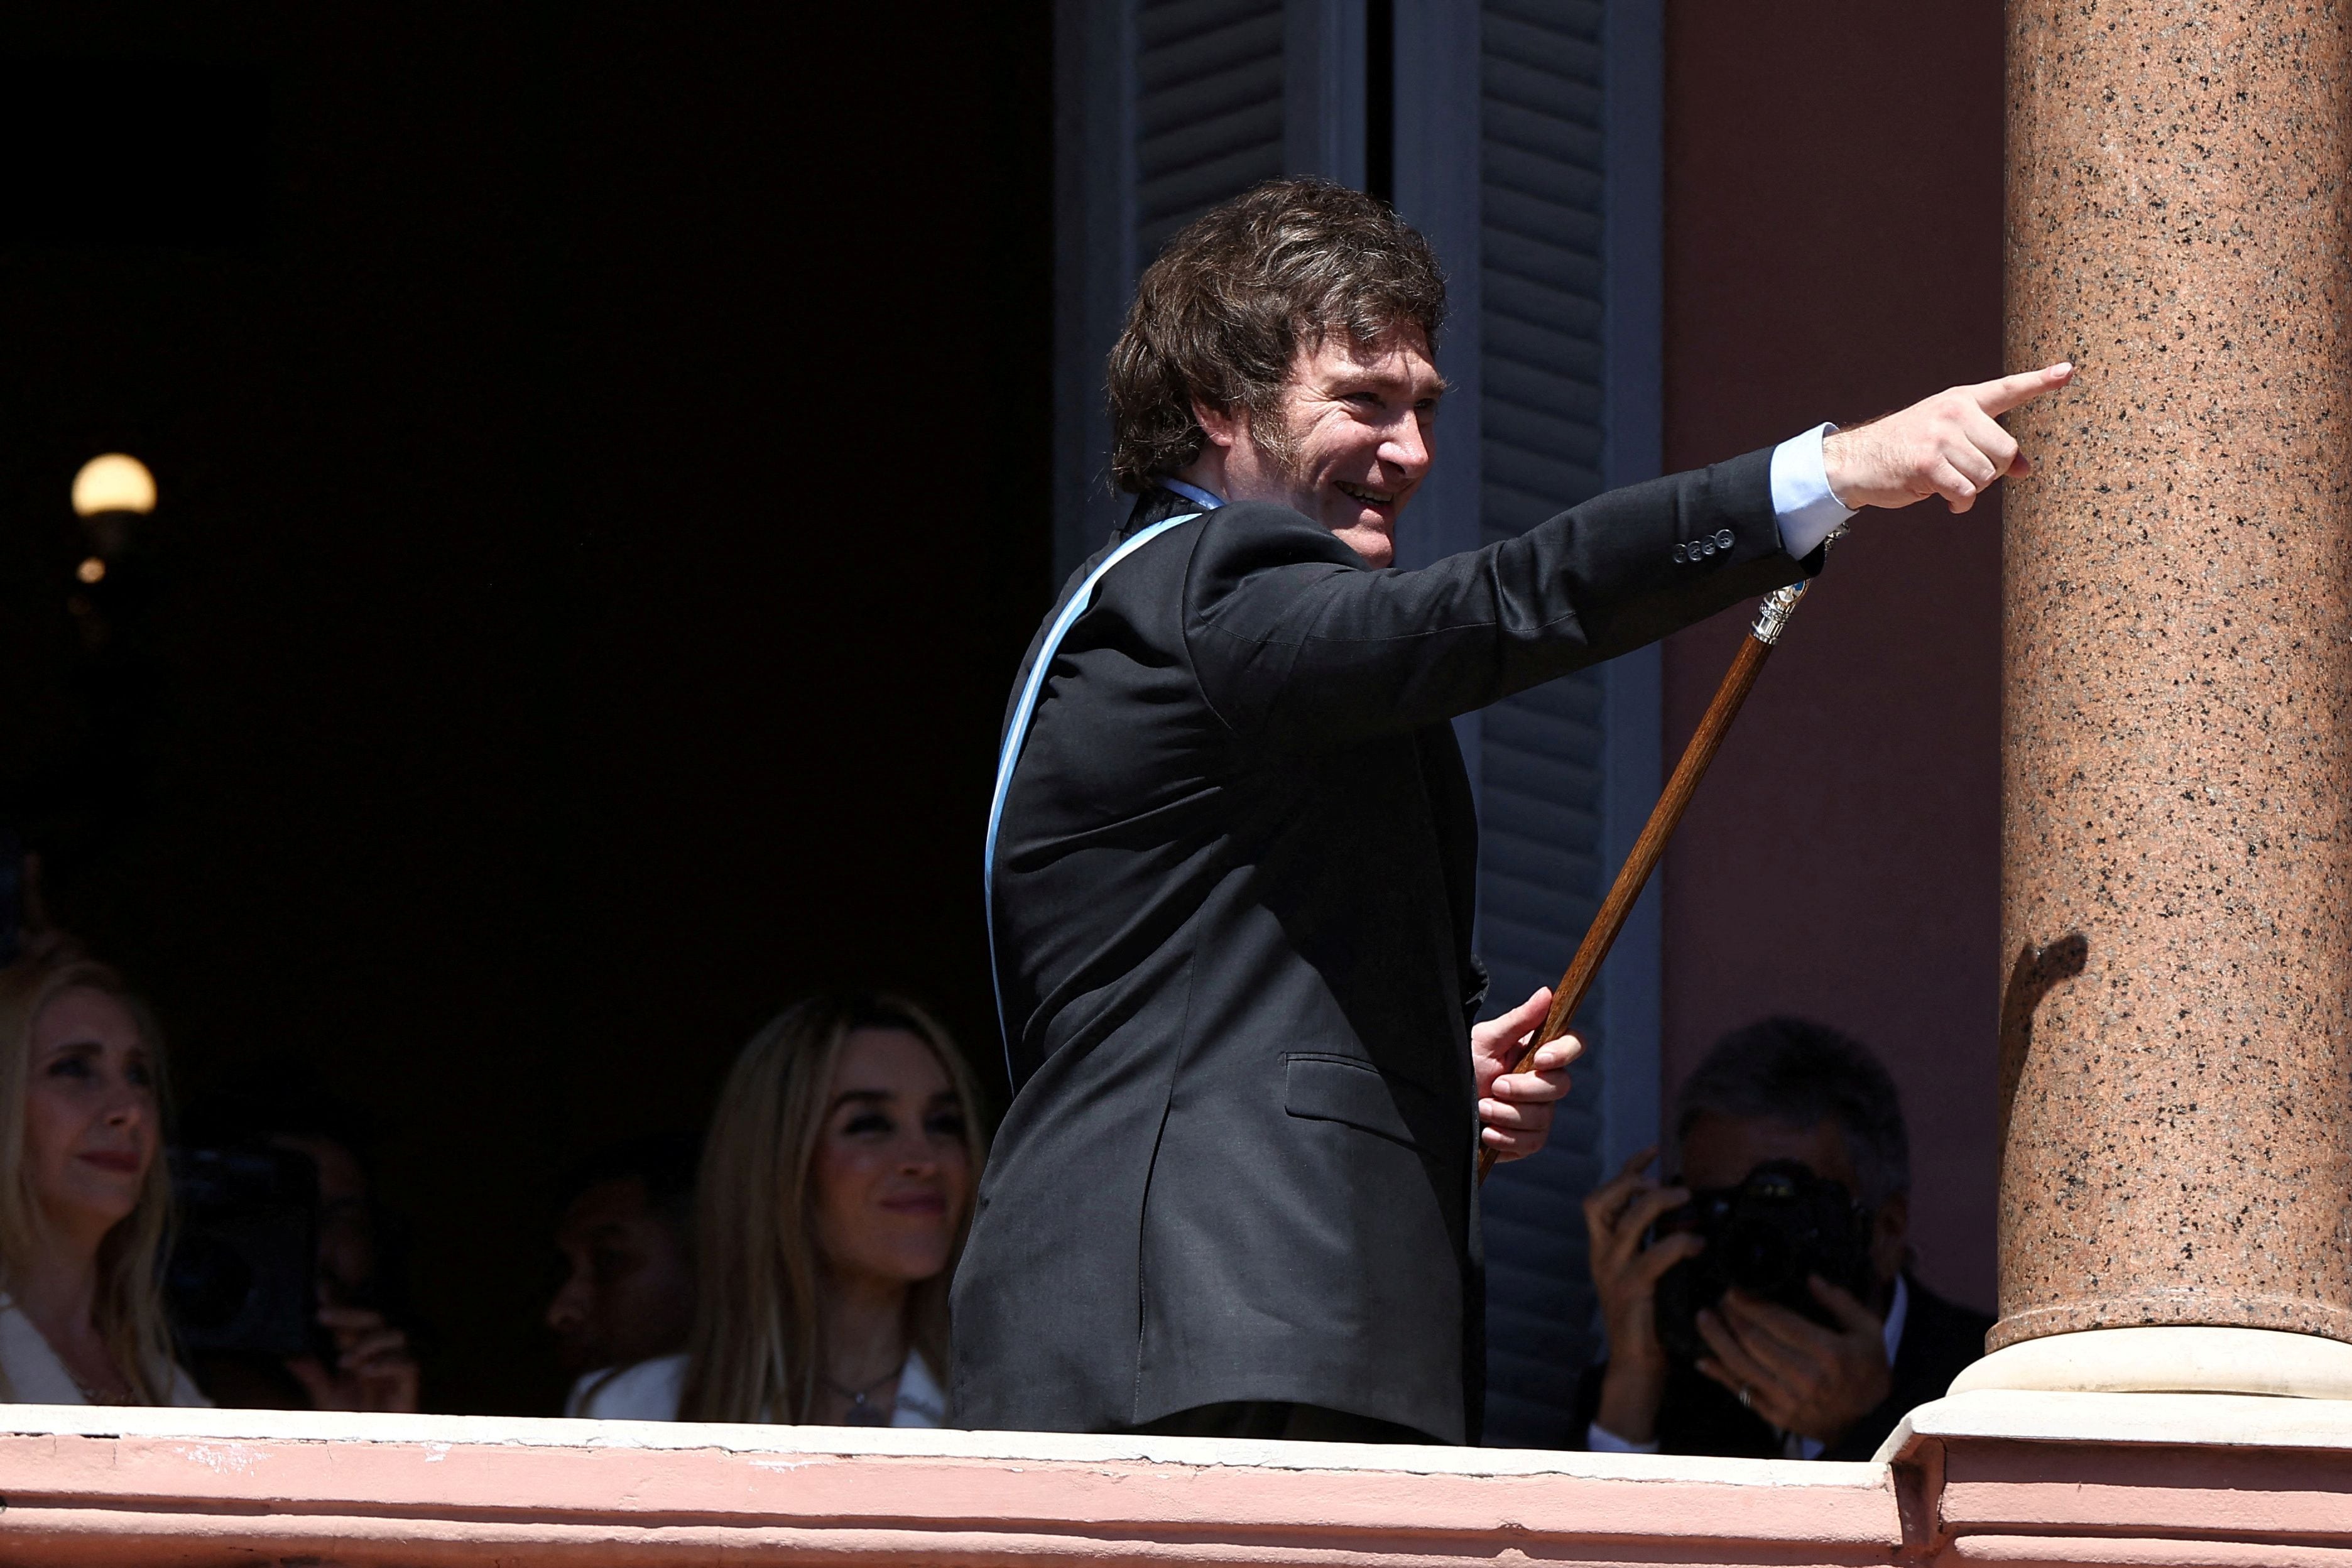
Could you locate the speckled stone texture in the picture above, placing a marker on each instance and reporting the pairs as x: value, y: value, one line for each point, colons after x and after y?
x: 2178, y: 671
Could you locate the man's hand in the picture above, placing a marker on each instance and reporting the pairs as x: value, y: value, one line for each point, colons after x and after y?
x: 1947, y: 446
x: 1515, y: 1109
x: 1625, y: 1275
x: 1795, y: 1374
x: 375, y: 1369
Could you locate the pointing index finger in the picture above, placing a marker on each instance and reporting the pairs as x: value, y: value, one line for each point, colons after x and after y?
x: 1998, y: 396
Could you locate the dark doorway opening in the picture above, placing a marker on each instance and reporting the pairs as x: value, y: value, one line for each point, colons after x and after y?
x: 602, y: 456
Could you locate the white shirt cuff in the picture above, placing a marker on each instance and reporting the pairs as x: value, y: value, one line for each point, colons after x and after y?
x: 1599, y: 1439
x: 1802, y: 500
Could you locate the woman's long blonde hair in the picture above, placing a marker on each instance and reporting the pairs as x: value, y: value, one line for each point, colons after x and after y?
x: 757, y: 1352
x: 129, y: 1307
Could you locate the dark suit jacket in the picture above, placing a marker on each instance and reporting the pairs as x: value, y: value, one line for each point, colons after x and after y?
x: 1699, y: 1415
x: 1232, y: 899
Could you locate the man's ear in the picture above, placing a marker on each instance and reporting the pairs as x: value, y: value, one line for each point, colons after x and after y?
x: 1890, y: 1237
x: 1225, y: 428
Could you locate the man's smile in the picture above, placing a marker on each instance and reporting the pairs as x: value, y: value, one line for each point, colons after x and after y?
x: 1366, y: 494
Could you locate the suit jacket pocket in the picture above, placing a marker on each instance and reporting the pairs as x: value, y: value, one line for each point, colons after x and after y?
x: 1343, y: 1088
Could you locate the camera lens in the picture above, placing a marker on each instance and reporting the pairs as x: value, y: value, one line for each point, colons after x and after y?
x: 1759, y: 1257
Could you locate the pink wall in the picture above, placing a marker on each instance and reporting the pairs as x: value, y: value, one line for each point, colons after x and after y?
x: 1833, y: 250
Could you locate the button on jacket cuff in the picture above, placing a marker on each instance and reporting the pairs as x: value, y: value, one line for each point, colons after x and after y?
x: 1801, y: 498
x: 1599, y: 1439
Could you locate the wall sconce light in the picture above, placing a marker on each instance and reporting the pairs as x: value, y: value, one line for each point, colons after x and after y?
x: 113, y: 482
x: 111, y: 492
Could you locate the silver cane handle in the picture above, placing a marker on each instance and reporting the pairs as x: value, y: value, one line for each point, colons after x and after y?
x: 1772, y: 615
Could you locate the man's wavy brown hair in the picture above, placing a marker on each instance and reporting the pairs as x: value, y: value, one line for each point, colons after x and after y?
x: 1238, y: 293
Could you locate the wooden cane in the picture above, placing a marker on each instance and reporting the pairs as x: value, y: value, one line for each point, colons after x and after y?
x: 1705, y: 741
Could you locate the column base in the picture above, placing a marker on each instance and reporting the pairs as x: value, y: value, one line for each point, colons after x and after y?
x: 2169, y: 1359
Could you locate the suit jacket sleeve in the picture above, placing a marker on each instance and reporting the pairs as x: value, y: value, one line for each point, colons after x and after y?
x: 1295, y: 640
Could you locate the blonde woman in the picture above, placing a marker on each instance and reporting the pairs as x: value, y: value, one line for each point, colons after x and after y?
x: 834, y: 1194
x: 84, y: 1197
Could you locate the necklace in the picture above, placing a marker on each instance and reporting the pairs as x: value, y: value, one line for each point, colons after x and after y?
x: 114, y: 1395
x: 862, y: 1413
x: 117, y: 1393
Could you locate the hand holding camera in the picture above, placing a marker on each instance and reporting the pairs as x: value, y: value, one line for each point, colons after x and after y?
x: 373, y: 1368
x: 1758, y: 1286
x: 1798, y: 1375
x: 1770, y: 1305
x: 271, y: 1270
x: 1625, y: 1273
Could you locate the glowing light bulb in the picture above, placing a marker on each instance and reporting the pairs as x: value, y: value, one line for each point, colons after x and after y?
x: 92, y: 571
x: 113, y: 482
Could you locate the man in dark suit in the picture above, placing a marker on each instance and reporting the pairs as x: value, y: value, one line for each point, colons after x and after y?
x: 1230, y: 855
x: 1829, y: 1383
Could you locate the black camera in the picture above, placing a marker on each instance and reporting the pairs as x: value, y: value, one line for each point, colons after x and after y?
x: 240, y: 1275
x: 1764, y: 1237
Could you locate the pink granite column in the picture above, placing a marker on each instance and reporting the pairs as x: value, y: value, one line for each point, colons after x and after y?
x: 2177, y: 748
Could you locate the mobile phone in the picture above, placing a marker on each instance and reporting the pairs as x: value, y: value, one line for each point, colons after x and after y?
x: 240, y: 1275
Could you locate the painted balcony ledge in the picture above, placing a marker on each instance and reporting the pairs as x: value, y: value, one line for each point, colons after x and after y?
x: 172, y: 1485
x: 1996, y: 1476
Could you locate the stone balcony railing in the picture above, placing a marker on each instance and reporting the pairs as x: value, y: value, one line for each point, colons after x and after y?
x: 1982, y: 1478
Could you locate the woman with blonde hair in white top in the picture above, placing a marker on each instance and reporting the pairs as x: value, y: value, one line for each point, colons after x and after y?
x: 834, y: 1194
x: 85, y: 1199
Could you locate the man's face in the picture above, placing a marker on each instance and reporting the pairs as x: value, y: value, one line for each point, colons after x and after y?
x: 628, y: 1291
x: 1720, y: 1151
x: 1351, y: 443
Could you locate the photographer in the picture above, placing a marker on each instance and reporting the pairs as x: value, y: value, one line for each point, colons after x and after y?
x: 1793, y: 1153
x: 367, y: 1362
x: 360, y: 1357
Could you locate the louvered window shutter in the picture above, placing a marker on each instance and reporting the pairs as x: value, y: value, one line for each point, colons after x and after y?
x: 1552, y: 253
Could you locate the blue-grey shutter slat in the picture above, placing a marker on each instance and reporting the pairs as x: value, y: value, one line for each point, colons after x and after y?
x: 1550, y: 369
x: 1531, y: 910
x: 1543, y: 793
x: 1522, y: 933
x: 1527, y: 300
x: 1549, y: 132
x: 1237, y: 87
x: 1545, y: 215
x: 1541, y: 440
x: 1563, y: 19
x: 1564, y: 702
x: 1543, y: 269
x: 1558, y: 439
x: 1564, y: 736
x: 1533, y: 886
x: 1542, y: 93
x: 1209, y: 122
x: 1564, y: 388
x: 1549, y: 365
x: 1181, y: 38
x: 1534, y: 68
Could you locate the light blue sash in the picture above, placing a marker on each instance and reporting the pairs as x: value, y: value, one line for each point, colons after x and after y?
x: 1017, y: 732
